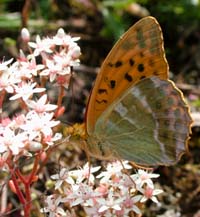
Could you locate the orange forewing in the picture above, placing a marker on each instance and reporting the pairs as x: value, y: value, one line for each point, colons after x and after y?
x: 139, y: 53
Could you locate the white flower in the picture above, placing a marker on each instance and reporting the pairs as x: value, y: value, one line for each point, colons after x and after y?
x: 63, y: 60
x: 61, y: 38
x: 51, y: 139
x: 143, y: 177
x: 52, y: 206
x: 25, y: 90
x: 149, y: 193
x: 113, y: 169
x: 82, y: 194
x: 84, y: 173
x: 29, y: 68
x: 40, y: 46
x: 63, y: 176
x: 37, y: 124
x: 4, y: 64
x: 111, y: 202
x: 40, y: 106
x: 8, y: 77
x: 129, y: 204
x: 9, y: 140
x: 6, y: 81
x: 52, y: 70
x: 17, y: 121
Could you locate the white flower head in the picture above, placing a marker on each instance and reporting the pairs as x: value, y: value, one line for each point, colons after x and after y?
x: 143, y: 177
x: 52, y: 206
x: 84, y: 173
x: 41, y: 45
x: 4, y: 64
x: 10, y: 140
x: 26, y: 90
x: 41, y: 105
x: 150, y: 193
x: 62, y: 177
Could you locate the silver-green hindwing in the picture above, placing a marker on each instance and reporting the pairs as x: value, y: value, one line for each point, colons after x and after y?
x: 149, y: 124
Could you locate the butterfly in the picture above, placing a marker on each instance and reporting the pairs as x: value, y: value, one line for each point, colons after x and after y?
x: 134, y: 112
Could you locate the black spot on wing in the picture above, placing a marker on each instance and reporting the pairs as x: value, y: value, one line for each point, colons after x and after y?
x: 128, y: 77
x: 118, y: 64
x: 100, y: 91
x: 131, y: 62
x: 112, y: 84
x: 101, y: 101
x: 140, y: 67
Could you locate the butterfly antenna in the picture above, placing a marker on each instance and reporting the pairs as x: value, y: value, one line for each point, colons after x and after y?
x: 126, y: 172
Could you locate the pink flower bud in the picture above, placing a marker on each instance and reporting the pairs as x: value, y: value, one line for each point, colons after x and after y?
x: 12, y: 186
x: 61, y: 33
x: 34, y: 179
x: 43, y: 156
x: 35, y: 146
x: 25, y: 35
x: 60, y: 111
x: 76, y: 52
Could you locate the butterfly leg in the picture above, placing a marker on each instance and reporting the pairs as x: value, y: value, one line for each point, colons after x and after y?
x: 136, y: 166
x: 84, y: 147
x: 126, y: 172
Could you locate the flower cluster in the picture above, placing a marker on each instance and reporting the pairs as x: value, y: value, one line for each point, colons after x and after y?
x: 23, y: 87
x: 25, y: 80
x: 115, y: 194
x: 28, y: 132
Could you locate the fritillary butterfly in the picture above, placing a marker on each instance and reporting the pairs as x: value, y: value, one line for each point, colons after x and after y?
x: 134, y: 112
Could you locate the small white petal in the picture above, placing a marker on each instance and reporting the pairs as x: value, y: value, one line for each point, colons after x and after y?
x: 103, y: 208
